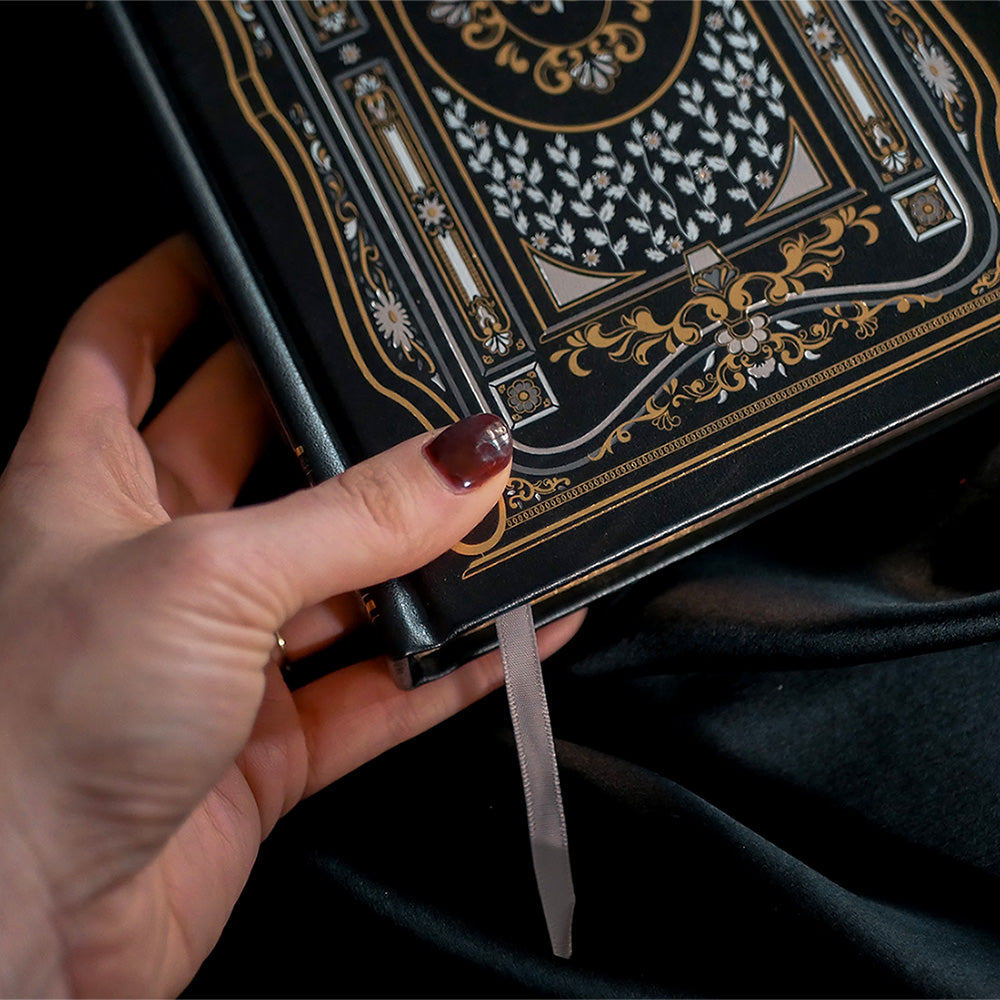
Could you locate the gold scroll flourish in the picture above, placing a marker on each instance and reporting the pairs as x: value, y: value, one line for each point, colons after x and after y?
x: 522, y: 492
x: 783, y: 345
x: 559, y: 67
x: 639, y: 332
x: 988, y: 279
x: 865, y: 318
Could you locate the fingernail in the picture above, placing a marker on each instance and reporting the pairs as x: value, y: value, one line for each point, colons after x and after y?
x: 468, y: 453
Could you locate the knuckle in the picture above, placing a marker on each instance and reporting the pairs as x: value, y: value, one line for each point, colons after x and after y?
x: 376, y: 497
x: 198, y: 550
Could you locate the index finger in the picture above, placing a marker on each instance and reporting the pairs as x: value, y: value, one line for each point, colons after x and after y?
x: 107, y: 356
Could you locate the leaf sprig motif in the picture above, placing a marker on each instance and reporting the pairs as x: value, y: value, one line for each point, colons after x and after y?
x: 604, y: 198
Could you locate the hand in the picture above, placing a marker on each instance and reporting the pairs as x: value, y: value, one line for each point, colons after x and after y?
x: 149, y: 743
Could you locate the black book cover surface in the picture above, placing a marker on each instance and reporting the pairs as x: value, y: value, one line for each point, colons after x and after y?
x: 700, y: 256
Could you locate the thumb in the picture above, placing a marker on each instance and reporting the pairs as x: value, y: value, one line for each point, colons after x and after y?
x: 382, y: 518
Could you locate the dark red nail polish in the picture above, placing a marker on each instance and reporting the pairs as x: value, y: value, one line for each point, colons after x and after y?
x: 468, y: 453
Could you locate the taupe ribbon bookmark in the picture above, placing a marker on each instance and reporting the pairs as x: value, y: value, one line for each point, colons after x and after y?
x: 536, y: 753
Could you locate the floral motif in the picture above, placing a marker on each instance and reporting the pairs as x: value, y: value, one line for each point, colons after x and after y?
x: 432, y: 213
x: 392, y: 320
x: 523, y: 396
x: 390, y: 316
x: 937, y: 72
x: 367, y: 83
x: 452, y: 14
x: 329, y: 18
x: 927, y: 208
x: 897, y: 161
x: 745, y: 335
x: 820, y: 33
x: 595, y: 71
x: 787, y: 344
x: 350, y: 53
x: 765, y: 369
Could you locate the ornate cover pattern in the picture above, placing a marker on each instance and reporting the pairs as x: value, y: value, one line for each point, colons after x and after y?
x: 697, y: 254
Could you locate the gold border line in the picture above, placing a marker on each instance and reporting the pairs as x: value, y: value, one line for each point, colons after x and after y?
x: 777, y: 423
x: 297, y: 195
x: 688, y: 529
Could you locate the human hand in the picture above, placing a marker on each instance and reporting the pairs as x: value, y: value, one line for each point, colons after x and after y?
x: 149, y: 743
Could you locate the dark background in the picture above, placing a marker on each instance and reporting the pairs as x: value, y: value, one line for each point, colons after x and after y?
x: 780, y: 757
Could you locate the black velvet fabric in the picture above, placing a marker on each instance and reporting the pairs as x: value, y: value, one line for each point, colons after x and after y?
x: 779, y: 757
x: 780, y: 775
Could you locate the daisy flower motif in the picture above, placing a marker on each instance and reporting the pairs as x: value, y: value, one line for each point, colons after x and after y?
x: 480, y: 130
x: 744, y: 81
x: 590, y: 257
x: 540, y: 241
x: 745, y: 336
x: 714, y: 21
x: 516, y: 184
x: 937, y: 72
x: 602, y: 178
x: 652, y: 140
x: 350, y: 53
x: 821, y: 35
x: 392, y: 320
x: 431, y: 212
x: 674, y: 244
x: 703, y: 174
x: 764, y: 179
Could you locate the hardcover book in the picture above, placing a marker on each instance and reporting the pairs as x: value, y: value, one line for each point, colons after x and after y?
x: 700, y: 256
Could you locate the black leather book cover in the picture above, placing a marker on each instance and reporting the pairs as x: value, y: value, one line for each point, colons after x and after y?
x: 700, y: 256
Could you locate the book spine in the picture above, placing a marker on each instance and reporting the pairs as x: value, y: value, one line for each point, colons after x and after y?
x: 255, y: 315
x: 399, y: 618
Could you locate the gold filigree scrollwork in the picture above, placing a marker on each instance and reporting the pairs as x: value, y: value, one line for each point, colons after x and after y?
x: 592, y: 63
x: 988, y: 279
x: 523, y: 492
x: 865, y: 317
x: 639, y: 332
x: 766, y: 347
